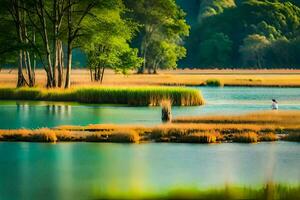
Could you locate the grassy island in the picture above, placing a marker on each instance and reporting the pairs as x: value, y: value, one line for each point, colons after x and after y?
x: 134, y: 96
x: 266, y: 127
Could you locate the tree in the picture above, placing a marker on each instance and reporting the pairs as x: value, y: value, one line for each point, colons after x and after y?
x: 160, y: 20
x: 216, y: 51
x: 108, y: 36
x: 253, y: 50
x: 24, y: 35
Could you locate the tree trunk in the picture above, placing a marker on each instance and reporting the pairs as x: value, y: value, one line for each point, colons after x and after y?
x: 47, y: 46
x: 69, y: 65
x: 21, y: 80
x: 69, y: 48
x: 102, y: 74
x: 16, y: 7
x: 55, y: 41
x: 60, y: 66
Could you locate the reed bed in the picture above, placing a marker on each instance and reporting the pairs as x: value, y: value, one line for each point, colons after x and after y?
x: 293, y: 137
x: 185, y: 133
x: 267, y: 137
x: 119, y: 136
x: 200, y: 138
x: 135, y: 96
x: 245, y: 137
x: 284, y: 118
x: 259, y: 127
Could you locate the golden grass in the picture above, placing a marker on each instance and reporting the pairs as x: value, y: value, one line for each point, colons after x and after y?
x: 267, y: 137
x: 200, y: 138
x: 262, y: 127
x: 250, y: 137
x: 137, y: 96
x: 275, y: 78
x: 118, y: 136
x: 283, y: 118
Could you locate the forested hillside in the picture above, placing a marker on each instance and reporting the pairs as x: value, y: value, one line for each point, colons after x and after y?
x: 242, y: 33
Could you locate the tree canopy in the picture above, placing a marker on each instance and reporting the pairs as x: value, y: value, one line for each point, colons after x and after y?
x: 238, y: 21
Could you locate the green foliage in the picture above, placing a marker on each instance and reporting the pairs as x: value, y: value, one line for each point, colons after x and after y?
x: 252, y: 50
x: 108, y: 45
x: 214, y: 83
x: 215, y: 51
x: 162, y: 30
x: 277, y: 21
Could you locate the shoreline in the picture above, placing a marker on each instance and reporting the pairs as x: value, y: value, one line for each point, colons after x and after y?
x: 249, y: 128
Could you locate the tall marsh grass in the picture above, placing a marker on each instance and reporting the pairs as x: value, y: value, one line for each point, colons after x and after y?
x: 245, y: 138
x: 136, y: 96
x: 293, y: 137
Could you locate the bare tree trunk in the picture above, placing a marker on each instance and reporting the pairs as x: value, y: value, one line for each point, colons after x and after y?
x: 69, y: 49
x: 69, y: 65
x: 91, y: 74
x: 60, y: 66
x: 16, y: 13
x: 46, y: 43
x: 55, y: 41
x: 21, y: 80
x: 102, y: 74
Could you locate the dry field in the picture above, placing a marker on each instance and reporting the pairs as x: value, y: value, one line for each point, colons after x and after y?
x: 81, y: 77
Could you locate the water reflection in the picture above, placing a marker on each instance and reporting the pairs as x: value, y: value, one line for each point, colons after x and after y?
x: 59, y: 110
x: 85, y: 171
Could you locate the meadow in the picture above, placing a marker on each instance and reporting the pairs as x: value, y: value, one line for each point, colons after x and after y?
x: 188, y: 77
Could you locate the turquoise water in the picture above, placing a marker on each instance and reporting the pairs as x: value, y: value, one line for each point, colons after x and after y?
x: 227, y: 100
x: 85, y: 171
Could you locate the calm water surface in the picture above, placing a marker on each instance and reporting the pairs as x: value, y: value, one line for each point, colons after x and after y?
x: 83, y: 171
x: 227, y: 100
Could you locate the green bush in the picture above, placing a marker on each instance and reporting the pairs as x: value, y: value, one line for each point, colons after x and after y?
x: 214, y: 83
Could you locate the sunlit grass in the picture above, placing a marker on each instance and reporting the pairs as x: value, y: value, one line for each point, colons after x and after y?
x: 267, y: 137
x: 267, y: 191
x: 262, y: 127
x: 266, y: 117
x: 250, y: 137
x: 80, y: 78
x: 136, y: 96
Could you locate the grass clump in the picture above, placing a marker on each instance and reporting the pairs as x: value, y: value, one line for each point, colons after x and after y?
x: 267, y: 137
x: 199, y: 138
x: 39, y: 135
x: 250, y: 137
x: 136, y: 96
x: 117, y: 136
x: 293, y: 137
x: 214, y: 83
x: 123, y: 136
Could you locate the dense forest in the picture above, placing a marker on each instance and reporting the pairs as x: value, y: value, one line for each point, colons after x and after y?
x: 145, y: 35
x: 242, y: 33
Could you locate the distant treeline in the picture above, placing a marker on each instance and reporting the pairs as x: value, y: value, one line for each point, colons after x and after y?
x: 242, y: 33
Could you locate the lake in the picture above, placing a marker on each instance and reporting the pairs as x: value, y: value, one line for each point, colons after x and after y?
x: 225, y: 101
x: 87, y: 170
